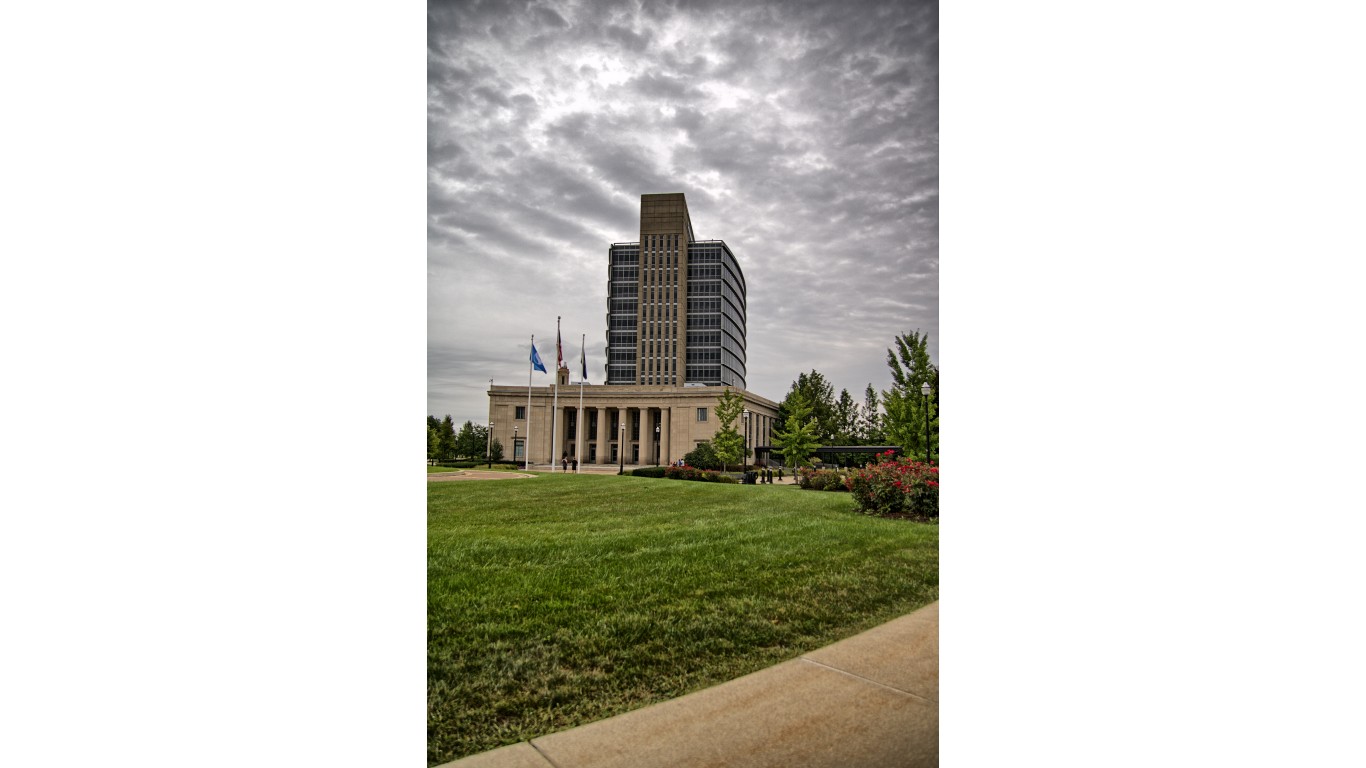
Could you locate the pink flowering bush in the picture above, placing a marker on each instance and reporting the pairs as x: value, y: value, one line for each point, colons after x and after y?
x: 896, y: 486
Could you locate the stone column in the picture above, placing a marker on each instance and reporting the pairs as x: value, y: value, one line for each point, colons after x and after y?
x: 557, y: 450
x: 665, y: 457
x: 604, y: 439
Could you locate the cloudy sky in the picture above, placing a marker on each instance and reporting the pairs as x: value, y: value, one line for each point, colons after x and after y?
x: 804, y: 134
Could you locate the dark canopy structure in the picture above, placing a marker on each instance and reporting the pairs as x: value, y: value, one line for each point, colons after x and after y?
x: 826, y: 453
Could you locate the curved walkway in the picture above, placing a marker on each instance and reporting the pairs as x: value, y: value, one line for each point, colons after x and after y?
x: 871, y: 700
x: 475, y: 474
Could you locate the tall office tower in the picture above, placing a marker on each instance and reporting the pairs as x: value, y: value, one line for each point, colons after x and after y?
x: 675, y: 304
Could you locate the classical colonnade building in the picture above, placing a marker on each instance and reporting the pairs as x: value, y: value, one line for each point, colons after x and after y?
x: 661, y: 423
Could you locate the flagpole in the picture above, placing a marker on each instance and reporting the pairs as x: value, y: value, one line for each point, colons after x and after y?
x: 578, y: 423
x: 555, y: 411
x: 527, y: 453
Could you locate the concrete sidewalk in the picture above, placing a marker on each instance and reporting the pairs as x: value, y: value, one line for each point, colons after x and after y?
x: 871, y: 700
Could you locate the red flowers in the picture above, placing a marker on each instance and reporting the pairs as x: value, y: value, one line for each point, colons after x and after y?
x: 896, y: 486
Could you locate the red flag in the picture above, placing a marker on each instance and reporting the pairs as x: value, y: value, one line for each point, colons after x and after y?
x: 559, y: 349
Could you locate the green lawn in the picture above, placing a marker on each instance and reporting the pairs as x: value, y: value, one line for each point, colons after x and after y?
x: 557, y: 601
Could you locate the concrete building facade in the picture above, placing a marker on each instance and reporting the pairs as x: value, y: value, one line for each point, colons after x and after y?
x: 676, y: 305
x: 676, y: 325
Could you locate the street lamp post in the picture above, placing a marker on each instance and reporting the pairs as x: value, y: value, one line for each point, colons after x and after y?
x: 746, y: 415
x: 925, y: 390
x: 514, y: 445
x: 488, y: 447
x: 621, y: 449
x: 657, y: 456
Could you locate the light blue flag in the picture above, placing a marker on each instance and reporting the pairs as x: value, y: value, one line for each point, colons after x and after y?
x: 536, y: 360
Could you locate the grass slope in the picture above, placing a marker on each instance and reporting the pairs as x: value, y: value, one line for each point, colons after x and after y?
x: 557, y: 601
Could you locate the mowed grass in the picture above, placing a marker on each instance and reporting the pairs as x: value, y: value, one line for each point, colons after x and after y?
x: 561, y: 600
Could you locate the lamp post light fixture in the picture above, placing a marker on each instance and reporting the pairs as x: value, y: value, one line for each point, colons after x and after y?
x: 621, y: 450
x: 488, y: 447
x: 745, y: 412
x: 925, y: 390
x: 657, y: 456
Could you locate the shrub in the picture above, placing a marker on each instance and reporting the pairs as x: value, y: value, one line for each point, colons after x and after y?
x: 821, y: 480
x: 897, y: 487
x: 649, y: 471
x: 702, y: 457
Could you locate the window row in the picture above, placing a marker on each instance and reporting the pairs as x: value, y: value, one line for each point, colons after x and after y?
x: 703, y: 374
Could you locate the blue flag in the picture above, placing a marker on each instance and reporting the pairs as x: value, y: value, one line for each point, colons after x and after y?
x: 536, y: 360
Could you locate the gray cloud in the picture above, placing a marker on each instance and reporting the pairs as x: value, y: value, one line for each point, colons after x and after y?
x: 805, y: 134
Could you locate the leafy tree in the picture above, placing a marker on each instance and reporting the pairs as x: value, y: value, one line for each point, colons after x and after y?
x: 702, y: 457
x: 797, y: 441
x: 446, y: 440
x: 433, y: 440
x: 905, y: 406
x: 819, y: 395
x: 464, y: 440
x: 471, y: 441
x: 870, y: 420
x: 496, y: 451
x: 728, y: 443
x: 846, y: 419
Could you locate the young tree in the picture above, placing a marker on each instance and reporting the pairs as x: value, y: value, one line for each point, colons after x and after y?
x: 496, y: 451
x: 728, y: 443
x: 797, y: 440
x: 905, y: 405
x: 433, y: 441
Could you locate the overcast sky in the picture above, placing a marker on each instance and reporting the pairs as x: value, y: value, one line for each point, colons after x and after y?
x: 804, y: 134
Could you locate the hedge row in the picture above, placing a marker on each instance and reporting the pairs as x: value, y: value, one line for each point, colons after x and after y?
x: 684, y: 473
